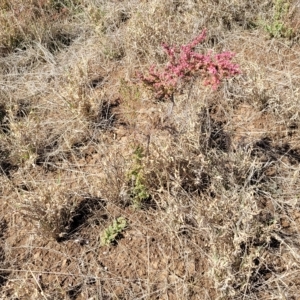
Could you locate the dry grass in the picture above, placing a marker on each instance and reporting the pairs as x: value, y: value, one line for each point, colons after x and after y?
x: 218, y: 176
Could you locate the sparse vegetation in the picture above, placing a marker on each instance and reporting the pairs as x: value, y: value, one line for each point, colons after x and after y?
x: 278, y: 26
x: 208, y: 182
x: 112, y: 232
x: 25, y: 23
x: 138, y: 191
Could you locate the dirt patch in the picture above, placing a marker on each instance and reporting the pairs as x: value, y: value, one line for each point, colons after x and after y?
x: 252, y: 125
x: 146, y: 261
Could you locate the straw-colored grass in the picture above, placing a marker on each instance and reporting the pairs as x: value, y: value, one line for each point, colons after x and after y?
x: 208, y: 184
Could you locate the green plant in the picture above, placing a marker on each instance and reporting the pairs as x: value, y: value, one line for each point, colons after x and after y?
x: 278, y: 27
x: 138, y: 190
x: 111, y: 233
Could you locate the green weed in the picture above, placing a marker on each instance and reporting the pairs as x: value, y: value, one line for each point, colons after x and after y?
x: 278, y: 27
x: 138, y: 191
x: 111, y: 233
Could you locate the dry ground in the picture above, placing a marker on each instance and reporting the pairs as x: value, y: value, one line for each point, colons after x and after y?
x: 209, y: 188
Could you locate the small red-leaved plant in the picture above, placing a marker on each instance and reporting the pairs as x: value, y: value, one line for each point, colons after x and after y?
x: 185, y: 63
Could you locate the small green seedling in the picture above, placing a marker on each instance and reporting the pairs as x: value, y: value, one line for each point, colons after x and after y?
x: 138, y: 190
x: 111, y: 233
